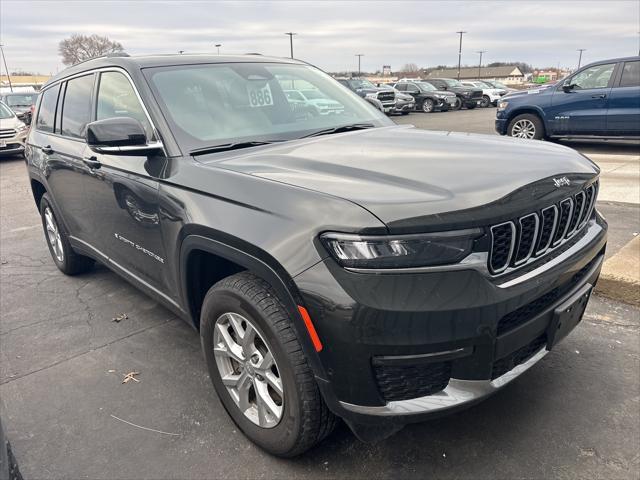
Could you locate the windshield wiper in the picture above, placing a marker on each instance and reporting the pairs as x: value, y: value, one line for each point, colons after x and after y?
x: 344, y: 128
x: 232, y: 146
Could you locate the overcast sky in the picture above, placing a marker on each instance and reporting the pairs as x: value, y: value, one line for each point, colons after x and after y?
x: 543, y: 33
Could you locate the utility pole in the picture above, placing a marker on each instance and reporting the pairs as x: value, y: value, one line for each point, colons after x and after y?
x: 4, y: 59
x: 480, y: 64
x: 291, y: 34
x: 218, y: 45
x: 359, y: 55
x: 580, y: 57
x: 461, y: 32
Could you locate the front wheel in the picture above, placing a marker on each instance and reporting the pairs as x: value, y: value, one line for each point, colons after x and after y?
x: 527, y: 126
x: 457, y: 105
x: 428, y: 106
x: 485, y: 102
x: 258, y: 368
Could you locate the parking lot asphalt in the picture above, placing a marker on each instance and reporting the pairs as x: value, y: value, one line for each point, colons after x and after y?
x: 65, y: 408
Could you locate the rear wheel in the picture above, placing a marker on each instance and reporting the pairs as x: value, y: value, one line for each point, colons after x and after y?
x: 428, y: 105
x: 258, y: 368
x: 527, y: 126
x: 485, y: 102
x: 68, y: 261
x: 457, y: 105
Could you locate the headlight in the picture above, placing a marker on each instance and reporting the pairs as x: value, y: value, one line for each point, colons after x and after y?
x: 400, y: 251
x: 502, y: 105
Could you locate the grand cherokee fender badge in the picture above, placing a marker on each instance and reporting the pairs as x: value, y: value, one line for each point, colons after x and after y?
x: 562, y: 181
x: 139, y: 248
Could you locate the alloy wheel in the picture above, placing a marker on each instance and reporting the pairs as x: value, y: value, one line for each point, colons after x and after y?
x: 523, y: 129
x: 248, y: 369
x: 427, y: 106
x: 53, y: 234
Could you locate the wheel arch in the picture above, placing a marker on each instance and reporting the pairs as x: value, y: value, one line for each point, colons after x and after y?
x: 531, y: 109
x: 201, y: 250
x: 38, y: 190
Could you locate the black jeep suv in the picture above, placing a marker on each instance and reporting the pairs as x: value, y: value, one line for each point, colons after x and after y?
x: 334, y: 265
x: 467, y: 97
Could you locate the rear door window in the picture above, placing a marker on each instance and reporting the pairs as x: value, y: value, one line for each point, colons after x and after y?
x: 47, y: 111
x: 630, y: 75
x: 76, y: 109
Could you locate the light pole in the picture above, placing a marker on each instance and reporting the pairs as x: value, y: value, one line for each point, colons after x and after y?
x: 580, y: 57
x: 291, y: 34
x: 359, y: 55
x: 461, y: 32
x: 4, y: 59
x: 480, y: 64
x: 218, y: 45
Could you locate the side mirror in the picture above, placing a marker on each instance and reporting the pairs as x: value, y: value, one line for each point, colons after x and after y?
x: 568, y: 86
x: 443, y: 87
x: 119, y: 135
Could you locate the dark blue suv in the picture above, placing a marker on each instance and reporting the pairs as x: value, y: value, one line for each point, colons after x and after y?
x: 601, y: 100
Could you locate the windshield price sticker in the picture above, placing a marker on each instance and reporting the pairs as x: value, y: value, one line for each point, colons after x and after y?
x: 260, y: 96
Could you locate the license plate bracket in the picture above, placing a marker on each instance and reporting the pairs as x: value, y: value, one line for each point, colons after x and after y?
x: 568, y: 315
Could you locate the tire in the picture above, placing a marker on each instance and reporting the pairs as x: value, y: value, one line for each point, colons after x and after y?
x: 57, y: 237
x: 304, y: 419
x: 471, y: 106
x: 485, y: 102
x: 457, y: 105
x: 428, y: 106
x: 527, y: 125
x: 405, y: 113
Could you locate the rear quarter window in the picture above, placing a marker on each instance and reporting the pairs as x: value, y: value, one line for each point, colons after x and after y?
x: 47, y: 111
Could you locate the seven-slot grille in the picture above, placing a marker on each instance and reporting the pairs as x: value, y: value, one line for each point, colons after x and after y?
x: 7, y: 133
x: 515, y: 242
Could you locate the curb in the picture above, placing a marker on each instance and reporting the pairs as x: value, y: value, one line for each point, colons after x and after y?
x: 620, y: 276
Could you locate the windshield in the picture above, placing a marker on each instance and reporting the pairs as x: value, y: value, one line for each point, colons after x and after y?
x: 21, y: 100
x: 452, y: 83
x: 425, y: 87
x: 215, y: 104
x: 361, y: 84
x: 498, y: 85
x: 5, y: 112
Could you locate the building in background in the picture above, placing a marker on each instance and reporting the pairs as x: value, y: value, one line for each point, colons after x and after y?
x: 22, y: 83
x: 509, y: 75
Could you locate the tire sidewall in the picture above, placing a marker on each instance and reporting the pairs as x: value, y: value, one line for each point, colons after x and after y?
x: 66, y: 248
x: 537, y: 122
x: 485, y: 102
x: 283, y: 437
x: 457, y: 105
x: 428, y: 101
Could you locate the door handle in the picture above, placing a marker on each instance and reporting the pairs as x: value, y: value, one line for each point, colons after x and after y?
x: 47, y: 150
x: 92, y: 162
x: 602, y: 95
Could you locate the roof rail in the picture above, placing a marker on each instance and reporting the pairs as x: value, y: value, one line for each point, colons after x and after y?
x: 106, y: 55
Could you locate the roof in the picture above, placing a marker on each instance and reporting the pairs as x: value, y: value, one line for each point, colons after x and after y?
x: 147, y: 61
x: 472, y: 72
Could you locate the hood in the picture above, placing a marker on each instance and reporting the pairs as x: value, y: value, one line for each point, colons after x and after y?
x: 400, y: 173
x: 11, y: 122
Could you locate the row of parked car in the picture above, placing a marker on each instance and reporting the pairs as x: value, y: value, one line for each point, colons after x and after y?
x: 16, y: 111
x: 434, y: 94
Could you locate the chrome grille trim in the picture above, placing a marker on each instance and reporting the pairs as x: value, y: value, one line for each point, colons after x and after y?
x: 575, y: 215
x: 569, y: 216
x: 511, y: 248
x: 8, y: 133
x: 536, y: 229
x: 557, y: 239
x: 540, y: 250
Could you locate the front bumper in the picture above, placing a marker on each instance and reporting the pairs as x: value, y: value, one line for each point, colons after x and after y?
x: 501, y: 125
x: 405, y: 107
x: 445, y: 317
x: 13, y: 144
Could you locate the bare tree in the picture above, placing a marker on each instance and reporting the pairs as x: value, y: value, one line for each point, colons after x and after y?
x: 410, y: 68
x: 78, y: 48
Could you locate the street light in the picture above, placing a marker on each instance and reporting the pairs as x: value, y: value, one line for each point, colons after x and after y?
x: 461, y: 32
x: 4, y: 59
x: 480, y: 64
x: 218, y: 45
x: 580, y: 57
x: 359, y: 55
x: 291, y: 34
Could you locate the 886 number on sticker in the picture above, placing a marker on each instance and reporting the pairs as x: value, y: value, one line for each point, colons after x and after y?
x: 260, y: 96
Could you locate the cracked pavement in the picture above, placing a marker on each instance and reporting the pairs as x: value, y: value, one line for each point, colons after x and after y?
x: 62, y: 361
